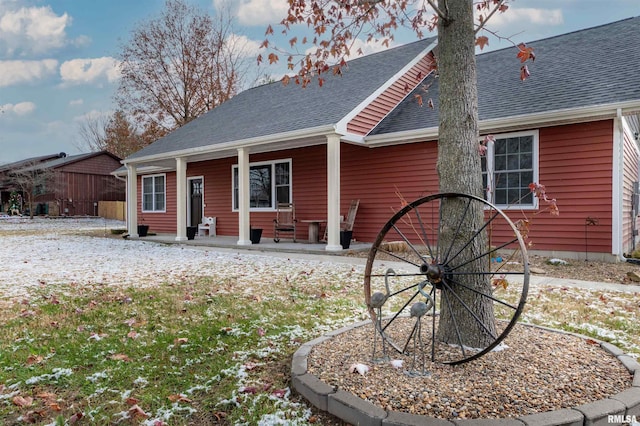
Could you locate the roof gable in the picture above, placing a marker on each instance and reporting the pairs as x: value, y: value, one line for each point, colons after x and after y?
x: 274, y: 108
x: 591, y: 67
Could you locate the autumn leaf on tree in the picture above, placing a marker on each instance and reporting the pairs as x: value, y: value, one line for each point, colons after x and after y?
x: 525, y: 53
x: 482, y: 41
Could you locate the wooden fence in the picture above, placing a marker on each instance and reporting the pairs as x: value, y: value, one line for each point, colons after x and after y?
x: 112, y: 210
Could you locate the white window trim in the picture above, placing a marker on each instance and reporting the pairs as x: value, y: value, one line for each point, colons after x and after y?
x: 536, y: 168
x: 272, y: 163
x: 142, y: 178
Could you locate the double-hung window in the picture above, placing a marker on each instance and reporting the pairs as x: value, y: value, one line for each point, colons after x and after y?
x: 153, y: 193
x: 269, y: 183
x: 509, y: 166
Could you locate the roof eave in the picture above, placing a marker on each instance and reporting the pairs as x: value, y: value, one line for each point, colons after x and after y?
x: 293, y: 137
x: 519, y: 122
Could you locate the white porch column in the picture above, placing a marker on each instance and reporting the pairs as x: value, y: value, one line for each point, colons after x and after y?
x: 132, y: 201
x: 243, y: 197
x: 333, y: 193
x: 181, y: 199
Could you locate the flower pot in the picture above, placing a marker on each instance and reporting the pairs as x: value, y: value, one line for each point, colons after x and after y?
x: 345, y: 239
x: 255, y: 234
x: 143, y: 230
x: 191, y: 232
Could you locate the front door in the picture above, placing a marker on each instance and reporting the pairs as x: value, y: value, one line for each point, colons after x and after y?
x: 195, y: 201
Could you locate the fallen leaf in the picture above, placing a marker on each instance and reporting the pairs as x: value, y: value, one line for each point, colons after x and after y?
x: 137, y: 412
x: 179, y: 398
x: 249, y: 389
x: 120, y: 357
x: 73, y: 419
x: 23, y: 401
x: 280, y: 393
x: 132, y: 334
x: 592, y: 342
x: 54, y: 406
x: 131, y: 401
x: 260, y: 331
x: 180, y: 341
x: 34, y: 359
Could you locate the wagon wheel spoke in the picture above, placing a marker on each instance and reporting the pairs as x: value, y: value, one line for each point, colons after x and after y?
x: 452, y: 270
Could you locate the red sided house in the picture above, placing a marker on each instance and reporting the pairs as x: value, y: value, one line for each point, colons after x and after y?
x: 572, y: 126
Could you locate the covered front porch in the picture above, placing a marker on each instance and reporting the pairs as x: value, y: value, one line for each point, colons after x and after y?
x: 265, y: 244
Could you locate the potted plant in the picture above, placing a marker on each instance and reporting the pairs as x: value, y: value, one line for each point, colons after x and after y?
x: 143, y: 229
x: 345, y: 239
x: 191, y: 232
x: 255, y: 234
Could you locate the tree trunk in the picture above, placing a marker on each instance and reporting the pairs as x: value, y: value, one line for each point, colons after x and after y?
x: 459, y: 170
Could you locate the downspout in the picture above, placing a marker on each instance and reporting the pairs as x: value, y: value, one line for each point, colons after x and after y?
x: 617, y: 186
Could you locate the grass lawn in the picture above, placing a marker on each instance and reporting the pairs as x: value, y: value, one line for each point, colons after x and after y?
x: 213, y: 349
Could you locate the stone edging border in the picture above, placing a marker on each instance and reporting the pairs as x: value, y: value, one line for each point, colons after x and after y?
x: 357, y: 411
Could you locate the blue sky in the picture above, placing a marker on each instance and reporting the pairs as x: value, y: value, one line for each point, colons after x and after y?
x: 58, y: 57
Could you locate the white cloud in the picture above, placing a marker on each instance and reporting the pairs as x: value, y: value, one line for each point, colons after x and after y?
x: 366, y: 47
x: 260, y: 12
x: 22, y: 108
x: 20, y: 72
x: 76, y: 102
x: 95, y: 70
x: 528, y: 15
x: 32, y: 30
x: 242, y: 43
x: 94, y: 114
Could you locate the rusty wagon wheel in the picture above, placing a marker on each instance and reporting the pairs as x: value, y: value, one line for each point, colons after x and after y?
x: 469, y: 277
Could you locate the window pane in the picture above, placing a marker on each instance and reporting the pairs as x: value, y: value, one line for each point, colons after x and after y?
x: 526, y: 144
x: 501, y: 196
x: 500, y: 147
x: 159, y: 184
x: 501, y: 162
x: 159, y: 202
x: 260, y: 184
x: 147, y: 201
x: 512, y: 162
x: 147, y: 185
x: 513, y: 145
x: 526, y: 160
x: 514, y: 195
x: 282, y: 174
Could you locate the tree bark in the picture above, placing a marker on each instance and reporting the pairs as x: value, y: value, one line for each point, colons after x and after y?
x: 459, y: 170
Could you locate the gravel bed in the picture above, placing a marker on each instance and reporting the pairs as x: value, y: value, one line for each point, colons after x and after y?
x: 539, y: 371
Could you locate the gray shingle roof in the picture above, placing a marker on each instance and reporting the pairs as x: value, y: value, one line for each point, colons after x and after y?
x: 590, y: 67
x: 275, y: 108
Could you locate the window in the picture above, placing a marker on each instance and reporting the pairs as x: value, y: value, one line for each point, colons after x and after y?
x: 269, y: 182
x: 509, y: 166
x: 153, y: 193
